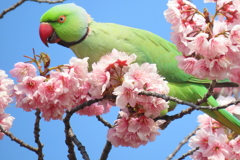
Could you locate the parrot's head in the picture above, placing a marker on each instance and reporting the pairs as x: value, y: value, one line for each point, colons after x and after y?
x: 64, y: 24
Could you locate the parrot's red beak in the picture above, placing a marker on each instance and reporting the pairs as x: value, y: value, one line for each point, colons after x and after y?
x: 47, y: 34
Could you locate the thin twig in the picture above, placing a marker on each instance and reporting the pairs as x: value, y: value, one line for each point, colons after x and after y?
x: 186, y: 111
x: 190, y: 109
x: 81, y: 148
x: 37, y: 135
x: 208, y: 94
x: 167, y: 98
x: 5, y: 11
x: 190, y: 152
x: 104, y: 122
x: 106, y: 150
x: 85, y: 104
x: 184, y: 141
x: 220, y: 107
x: 20, y: 142
x: 169, y: 119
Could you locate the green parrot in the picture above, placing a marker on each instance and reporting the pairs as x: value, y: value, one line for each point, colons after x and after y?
x: 71, y: 26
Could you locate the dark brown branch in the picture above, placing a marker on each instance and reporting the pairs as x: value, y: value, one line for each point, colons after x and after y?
x: 220, y: 107
x: 169, y: 119
x: 20, y: 142
x: 5, y: 11
x: 190, y: 152
x: 104, y: 122
x: 12, y: 8
x: 66, y: 120
x: 81, y: 148
x: 184, y: 141
x: 37, y: 135
x: 208, y: 94
x: 106, y: 150
x: 68, y: 141
x: 188, y: 110
x: 83, y: 105
x: 167, y: 98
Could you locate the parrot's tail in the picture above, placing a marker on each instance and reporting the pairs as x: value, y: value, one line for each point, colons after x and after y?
x: 223, y: 116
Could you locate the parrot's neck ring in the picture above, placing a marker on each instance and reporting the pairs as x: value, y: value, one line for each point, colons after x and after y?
x: 69, y: 44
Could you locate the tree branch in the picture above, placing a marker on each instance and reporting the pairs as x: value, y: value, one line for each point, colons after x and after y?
x: 81, y: 148
x: 37, y: 135
x: 169, y: 119
x: 188, y: 110
x: 188, y: 153
x: 66, y: 121
x: 208, y: 94
x: 106, y: 150
x: 167, y: 98
x: 5, y: 11
x: 20, y: 142
x: 104, y: 122
x: 184, y: 141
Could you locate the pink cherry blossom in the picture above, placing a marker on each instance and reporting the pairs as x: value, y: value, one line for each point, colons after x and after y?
x: 29, y: 85
x: 218, y: 147
x: 200, y: 140
x: 217, y: 47
x: 219, y: 68
x: 6, y: 122
x: 212, y: 43
x: 173, y: 15
x: 114, y: 59
x: 235, y: 143
x: 133, y: 131
x: 235, y: 36
x: 50, y: 90
x: 181, y: 42
x: 235, y: 75
x: 6, y: 89
x: 198, y: 155
x: 233, y: 55
x: 201, y: 68
x: 186, y: 64
x: 151, y: 106
x: 92, y: 110
x: 126, y: 93
x: 99, y: 80
x: 23, y: 69
x: 52, y: 111
x: 139, y: 75
x: 79, y: 68
x: 199, y: 44
x: 210, y: 124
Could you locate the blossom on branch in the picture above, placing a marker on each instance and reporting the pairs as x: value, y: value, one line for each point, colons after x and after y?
x: 212, y: 43
x: 5, y: 122
x: 6, y: 89
x: 214, y: 140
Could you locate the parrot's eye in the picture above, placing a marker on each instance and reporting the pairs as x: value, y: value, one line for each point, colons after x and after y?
x: 62, y: 19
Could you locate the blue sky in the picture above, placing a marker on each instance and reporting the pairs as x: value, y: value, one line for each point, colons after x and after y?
x: 19, y: 34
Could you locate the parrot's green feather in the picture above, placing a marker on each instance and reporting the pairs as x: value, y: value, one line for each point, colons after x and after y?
x: 104, y: 37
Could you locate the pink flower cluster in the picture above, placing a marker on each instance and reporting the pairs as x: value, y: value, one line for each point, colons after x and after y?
x: 214, y: 140
x: 113, y: 78
x: 133, y: 131
x: 136, y: 126
x: 210, y: 46
x: 57, y: 93
x: 6, y: 88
